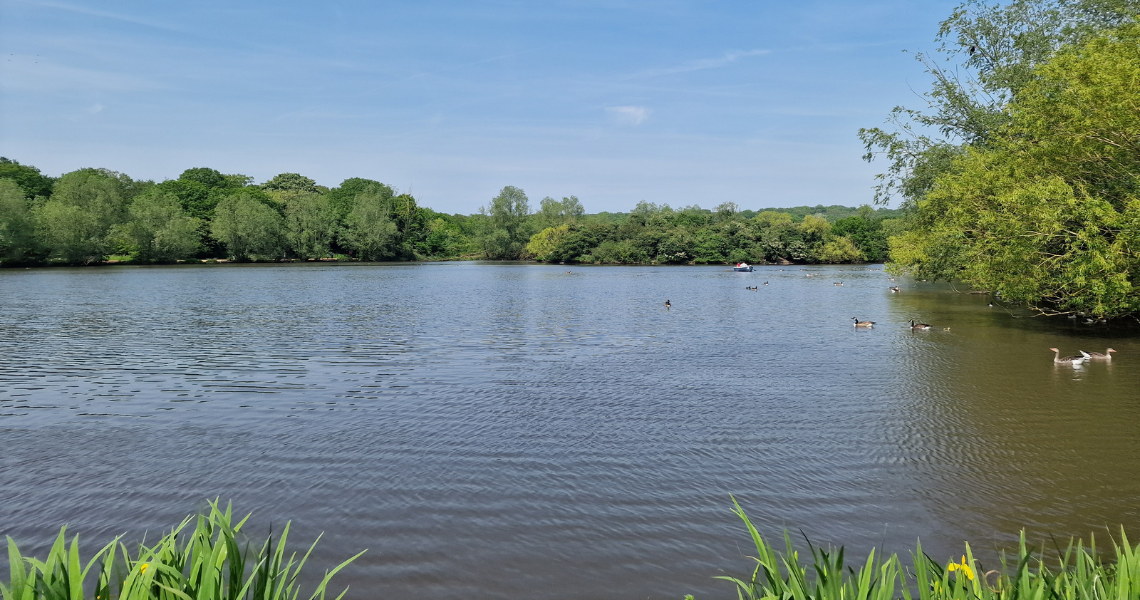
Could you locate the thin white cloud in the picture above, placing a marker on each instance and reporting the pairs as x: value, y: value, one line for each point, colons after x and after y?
x: 628, y: 115
x: 702, y: 63
x: 83, y: 10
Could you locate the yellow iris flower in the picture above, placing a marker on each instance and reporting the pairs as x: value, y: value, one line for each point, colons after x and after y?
x: 964, y: 567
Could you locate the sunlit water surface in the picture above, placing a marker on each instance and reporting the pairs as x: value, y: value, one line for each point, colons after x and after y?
x: 518, y: 431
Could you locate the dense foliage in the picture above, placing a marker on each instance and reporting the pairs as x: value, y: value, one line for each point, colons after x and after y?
x: 1023, y: 178
x: 91, y: 215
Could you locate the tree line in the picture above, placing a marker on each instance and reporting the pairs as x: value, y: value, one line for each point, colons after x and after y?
x: 91, y: 215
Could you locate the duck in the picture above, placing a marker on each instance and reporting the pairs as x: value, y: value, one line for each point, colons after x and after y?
x: 667, y: 305
x: 1097, y: 355
x: 894, y: 288
x: 1066, y: 360
x: 919, y: 326
x: 867, y: 324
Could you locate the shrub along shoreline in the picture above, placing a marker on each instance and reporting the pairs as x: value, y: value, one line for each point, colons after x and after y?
x: 92, y: 216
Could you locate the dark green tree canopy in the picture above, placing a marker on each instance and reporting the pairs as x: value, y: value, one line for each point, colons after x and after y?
x: 27, y: 177
x: 291, y: 182
x: 211, y: 178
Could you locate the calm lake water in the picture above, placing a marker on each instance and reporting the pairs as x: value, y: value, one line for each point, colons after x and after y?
x: 515, y: 431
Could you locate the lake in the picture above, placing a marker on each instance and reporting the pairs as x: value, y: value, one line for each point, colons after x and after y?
x: 521, y: 431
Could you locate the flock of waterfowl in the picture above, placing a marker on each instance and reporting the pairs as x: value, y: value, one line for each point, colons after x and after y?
x: 1075, y: 360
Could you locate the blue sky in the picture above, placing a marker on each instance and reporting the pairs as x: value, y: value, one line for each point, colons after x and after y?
x: 679, y: 102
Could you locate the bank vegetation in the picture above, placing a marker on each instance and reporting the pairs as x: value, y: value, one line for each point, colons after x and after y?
x: 91, y: 215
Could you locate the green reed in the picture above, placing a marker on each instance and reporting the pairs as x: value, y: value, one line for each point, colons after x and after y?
x: 206, y: 562
x: 1074, y: 573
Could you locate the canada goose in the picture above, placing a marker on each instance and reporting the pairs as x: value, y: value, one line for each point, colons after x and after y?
x: 667, y: 305
x: 838, y: 283
x: 894, y: 288
x: 919, y: 326
x: 991, y: 305
x: 1097, y: 355
x: 765, y: 283
x: 1067, y: 360
x: 1072, y: 316
x: 1089, y: 321
x: 859, y: 323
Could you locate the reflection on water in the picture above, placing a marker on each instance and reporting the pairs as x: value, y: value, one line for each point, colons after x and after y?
x: 514, y: 430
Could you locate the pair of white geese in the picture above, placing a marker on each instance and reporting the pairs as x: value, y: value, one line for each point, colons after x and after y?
x: 1076, y: 360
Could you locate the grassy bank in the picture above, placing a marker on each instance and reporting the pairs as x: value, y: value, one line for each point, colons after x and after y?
x: 1072, y: 572
x: 200, y: 559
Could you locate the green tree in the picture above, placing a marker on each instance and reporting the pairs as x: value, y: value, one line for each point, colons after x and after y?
x: 343, y: 196
x: 292, y: 182
x: 310, y: 224
x: 369, y: 230
x: 1049, y: 212
x: 553, y: 213
x: 444, y: 237
x: 508, y: 212
x: 16, y: 228
x: 75, y: 222
x: 999, y: 47
x: 159, y: 230
x: 839, y: 249
x: 248, y: 227
x: 543, y: 244
x: 27, y: 177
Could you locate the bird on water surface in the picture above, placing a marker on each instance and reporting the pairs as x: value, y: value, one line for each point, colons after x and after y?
x: 1097, y: 355
x: 894, y: 288
x: 1066, y: 360
x: 919, y: 326
x: 667, y: 305
x: 867, y: 324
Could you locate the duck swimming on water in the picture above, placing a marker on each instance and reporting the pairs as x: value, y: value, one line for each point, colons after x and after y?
x: 867, y: 324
